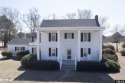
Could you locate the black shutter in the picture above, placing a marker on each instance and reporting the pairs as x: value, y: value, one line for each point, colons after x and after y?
x: 56, y: 52
x: 56, y: 37
x: 89, y: 50
x: 49, y: 51
x: 49, y: 37
x: 81, y: 37
x: 89, y: 36
x: 23, y: 48
x: 65, y: 35
x: 32, y: 50
x: 81, y: 52
x: 72, y: 35
x: 15, y: 48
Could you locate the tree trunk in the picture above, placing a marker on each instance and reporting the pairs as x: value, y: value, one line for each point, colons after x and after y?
x: 116, y: 46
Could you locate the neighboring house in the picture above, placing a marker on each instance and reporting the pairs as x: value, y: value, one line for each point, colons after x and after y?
x: 68, y: 40
x: 21, y: 44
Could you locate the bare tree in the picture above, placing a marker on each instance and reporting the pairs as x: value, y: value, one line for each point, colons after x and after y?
x: 84, y: 14
x: 117, y: 35
x: 71, y: 15
x: 31, y: 20
x: 103, y: 22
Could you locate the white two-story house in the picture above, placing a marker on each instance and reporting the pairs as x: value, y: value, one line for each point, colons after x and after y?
x: 69, y: 39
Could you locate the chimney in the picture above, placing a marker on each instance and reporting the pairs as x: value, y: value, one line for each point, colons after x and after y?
x: 97, y: 21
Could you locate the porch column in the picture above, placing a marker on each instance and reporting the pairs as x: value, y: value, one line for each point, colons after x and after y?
x: 38, y: 50
x: 58, y: 45
x: 100, y: 44
x: 79, y: 45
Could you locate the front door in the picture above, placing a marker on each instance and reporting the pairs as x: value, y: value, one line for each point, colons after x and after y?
x: 69, y: 53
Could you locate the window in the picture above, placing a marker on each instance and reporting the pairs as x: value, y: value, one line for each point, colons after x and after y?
x: 52, y: 51
x: 86, y: 37
x: 85, y: 52
x: 19, y: 48
x: 52, y: 36
x: 69, y: 35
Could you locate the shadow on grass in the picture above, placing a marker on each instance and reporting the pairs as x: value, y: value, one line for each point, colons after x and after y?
x: 63, y: 76
x: 13, y: 58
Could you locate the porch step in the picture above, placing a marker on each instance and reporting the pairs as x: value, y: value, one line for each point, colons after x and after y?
x: 68, y: 65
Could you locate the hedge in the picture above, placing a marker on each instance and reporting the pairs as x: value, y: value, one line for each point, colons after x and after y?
x: 20, y: 54
x: 7, y: 54
x: 122, y: 52
x: 108, y: 51
x: 108, y: 66
x: 106, y: 57
x: 123, y: 45
x: 109, y: 46
x: 29, y: 61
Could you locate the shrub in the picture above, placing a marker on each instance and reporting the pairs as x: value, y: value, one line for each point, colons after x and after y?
x: 29, y: 61
x: 108, y: 51
x: 7, y: 54
x: 123, y: 45
x: 109, y: 66
x: 106, y: 57
x: 90, y: 66
x: 20, y: 54
x: 112, y: 66
x: 122, y: 52
x: 109, y: 46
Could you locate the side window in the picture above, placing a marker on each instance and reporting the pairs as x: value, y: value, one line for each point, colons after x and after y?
x: 85, y: 37
x: 85, y: 52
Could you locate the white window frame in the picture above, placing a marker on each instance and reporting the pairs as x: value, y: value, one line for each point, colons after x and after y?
x: 53, y: 36
x: 85, y: 37
x: 69, y: 35
x: 85, y: 52
x: 53, y: 52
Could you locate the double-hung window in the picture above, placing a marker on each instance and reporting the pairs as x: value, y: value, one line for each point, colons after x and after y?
x: 52, y: 52
x: 85, y: 52
x: 85, y: 37
x: 69, y: 36
x: 52, y: 37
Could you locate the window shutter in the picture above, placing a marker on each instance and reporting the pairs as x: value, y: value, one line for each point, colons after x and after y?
x: 89, y: 36
x: 89, y: 50
x: 72, y: 35
x: 32, y: 50
x: 65, y: 35
x: 15, y: 48
x: 49, y: 37
x: 56, y: 52
x: 81, y: 52
x: 81, y: 37
x: 56, y: 37
x: 49, y: 51
x: 23, y: 48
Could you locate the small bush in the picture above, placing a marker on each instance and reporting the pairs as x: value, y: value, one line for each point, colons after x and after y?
x: 106, y: 57
x: 7, y: 54
x: 108, y: 46
x: 109, y: 66
x: 108, y: 51
x: 29, y: 61
x: 112, y: 66
x: 123, y: 45
x: 122, y: 52
x: 90, y: 66
x: 20, y: 54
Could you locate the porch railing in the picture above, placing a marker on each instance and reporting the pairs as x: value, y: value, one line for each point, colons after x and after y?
x: 61, y: 63
x: 75, y: 62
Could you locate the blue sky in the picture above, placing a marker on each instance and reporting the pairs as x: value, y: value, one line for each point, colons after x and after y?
x: 113, y: 9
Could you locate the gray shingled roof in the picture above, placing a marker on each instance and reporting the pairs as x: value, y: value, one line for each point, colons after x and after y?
x: 70, y: 23
x: 20, y: 41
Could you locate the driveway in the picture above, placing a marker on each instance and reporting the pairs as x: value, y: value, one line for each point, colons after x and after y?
x: 11, y: 72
